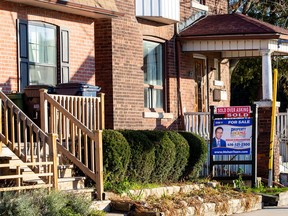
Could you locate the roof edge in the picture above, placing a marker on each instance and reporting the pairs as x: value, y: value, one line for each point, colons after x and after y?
x: 231, y: 37
x: 83, y: 10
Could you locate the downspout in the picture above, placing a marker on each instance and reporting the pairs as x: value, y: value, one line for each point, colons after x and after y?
x: 207, y: 90
x: 178, y: 67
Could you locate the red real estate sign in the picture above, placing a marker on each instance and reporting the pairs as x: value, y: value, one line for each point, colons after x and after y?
x: 234, y: 111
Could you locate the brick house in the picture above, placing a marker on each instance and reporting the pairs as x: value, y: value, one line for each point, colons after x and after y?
x: 152, y: 63
x: 101, y: 43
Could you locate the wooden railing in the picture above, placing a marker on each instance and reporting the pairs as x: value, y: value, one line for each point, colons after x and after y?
x: 198, y: 122
x: 282, y: 132
x: 78, y: 122
x: 33, y: 148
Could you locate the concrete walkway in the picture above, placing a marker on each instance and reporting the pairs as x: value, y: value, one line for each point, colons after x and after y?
x: 267, y: 211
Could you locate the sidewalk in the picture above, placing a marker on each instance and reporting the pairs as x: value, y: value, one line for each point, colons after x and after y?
x: 267, y: 211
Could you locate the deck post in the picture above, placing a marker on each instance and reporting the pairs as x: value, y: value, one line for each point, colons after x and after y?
x: 99, y: 163
x: 102, y: 111
x: 43, y: 111
x: 53, y: 143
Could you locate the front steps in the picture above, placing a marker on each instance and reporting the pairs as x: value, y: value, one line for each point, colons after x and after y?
x: 66, y: 181
x: 8, y: 157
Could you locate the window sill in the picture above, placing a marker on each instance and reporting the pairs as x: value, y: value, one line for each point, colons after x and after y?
x: 158, y: 115
x: 199, y: 6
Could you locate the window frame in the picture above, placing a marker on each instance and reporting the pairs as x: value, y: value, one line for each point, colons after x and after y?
x: 217, y: 74
x: 31, y: 63
x: 152, y: 87
x: 62, y: 52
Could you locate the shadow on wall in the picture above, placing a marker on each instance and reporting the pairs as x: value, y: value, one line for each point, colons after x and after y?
x: 6, y: 86
x: 175, y: 125
x: 83, y: 73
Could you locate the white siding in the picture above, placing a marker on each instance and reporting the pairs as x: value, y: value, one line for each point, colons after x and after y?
x: 167, y: 11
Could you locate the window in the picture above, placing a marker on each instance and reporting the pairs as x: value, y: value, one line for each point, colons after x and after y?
x: 153, y: 75
x: 42, y: 54
x: 217, y: 70
x: 43, y: 51
x: 200, y: 1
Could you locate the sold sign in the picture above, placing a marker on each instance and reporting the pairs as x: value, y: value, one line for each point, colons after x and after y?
x: 234, y: 111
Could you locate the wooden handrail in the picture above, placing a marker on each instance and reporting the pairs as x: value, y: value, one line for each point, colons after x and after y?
x: 76, y: 141
x: 27, y: 141
x: 64, y: 111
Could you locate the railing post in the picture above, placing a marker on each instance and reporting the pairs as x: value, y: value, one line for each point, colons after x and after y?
x: 102, y: 111
x: 43, y: 111
x: 99, y: 163
x: 53, y: 145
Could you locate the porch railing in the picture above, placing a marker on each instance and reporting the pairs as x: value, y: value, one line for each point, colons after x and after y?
x: 199, y: 123
x: 78, y: 122
x: 33, y: 149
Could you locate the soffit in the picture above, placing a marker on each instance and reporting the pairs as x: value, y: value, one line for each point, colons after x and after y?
x: 88, y: 8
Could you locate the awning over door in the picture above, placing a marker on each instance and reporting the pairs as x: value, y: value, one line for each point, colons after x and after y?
x: 234, y: 35
x: 237, y: 36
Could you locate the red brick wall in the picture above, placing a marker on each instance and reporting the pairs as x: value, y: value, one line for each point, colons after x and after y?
x: 123, y: 82
x: 115, y: 60
x: 217, y: 6
x: 263, y: 145
x: 214, y: 7
x: 103, y: 59
x: 81, y: 29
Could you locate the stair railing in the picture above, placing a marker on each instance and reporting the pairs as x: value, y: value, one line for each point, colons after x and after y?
x: 78, y: 121
x: 30, y: 144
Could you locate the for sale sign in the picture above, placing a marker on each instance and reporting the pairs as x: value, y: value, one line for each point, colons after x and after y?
x: 232, y: 136
x: 234, y: 111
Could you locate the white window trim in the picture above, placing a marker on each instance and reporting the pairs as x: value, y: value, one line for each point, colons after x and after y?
x: 197, y: 5
x: 158, y: 115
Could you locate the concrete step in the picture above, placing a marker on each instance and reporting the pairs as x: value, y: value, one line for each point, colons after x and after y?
x: 65, y: 171
x: 71, y: 183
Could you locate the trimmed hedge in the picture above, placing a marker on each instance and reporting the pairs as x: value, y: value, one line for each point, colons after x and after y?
x: 164, y: 155
x: 198, y: 154
x: 116, y: 156
x: 181, y: 157
x: 142, y: 156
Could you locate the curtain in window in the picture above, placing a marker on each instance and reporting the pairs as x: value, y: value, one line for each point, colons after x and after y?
x: 153, y: 75
x: 42, y: 54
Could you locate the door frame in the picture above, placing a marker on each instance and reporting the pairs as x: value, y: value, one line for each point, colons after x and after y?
x: 205, y: 90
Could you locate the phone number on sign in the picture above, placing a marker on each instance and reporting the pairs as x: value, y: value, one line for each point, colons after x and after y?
x: 237, y: 145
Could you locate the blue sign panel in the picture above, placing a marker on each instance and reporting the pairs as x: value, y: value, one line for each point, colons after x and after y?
x: 232, y: 136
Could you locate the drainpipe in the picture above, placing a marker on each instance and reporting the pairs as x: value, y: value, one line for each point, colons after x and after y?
x: 178, y: 67
x: 207, y: 86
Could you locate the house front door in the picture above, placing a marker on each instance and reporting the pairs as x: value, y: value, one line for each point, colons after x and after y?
x: 200, y: 85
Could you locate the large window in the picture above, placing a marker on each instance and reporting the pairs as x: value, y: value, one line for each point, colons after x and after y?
x: 43, y: 51
x: 153, y: 75
x: 42, y: 54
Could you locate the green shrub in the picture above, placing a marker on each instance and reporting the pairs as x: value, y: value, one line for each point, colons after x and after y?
x: 142, y: 156
x: 13, y: 205
x: 40, y: 202
x: 198, y: 154
x: 164, y: 155
x: 181, y: 157
x: 116, y: 155
x: 52, y: 203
